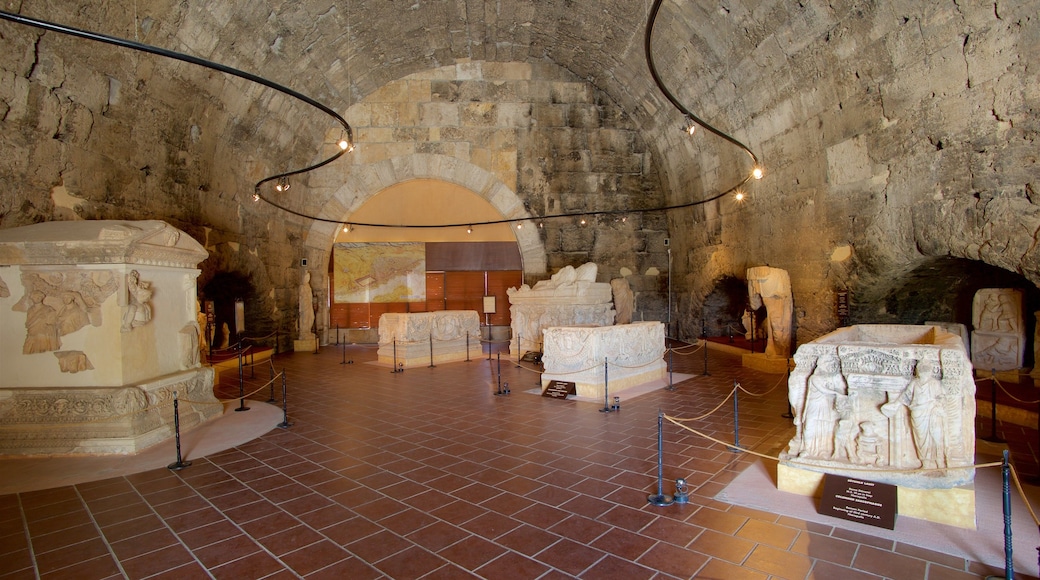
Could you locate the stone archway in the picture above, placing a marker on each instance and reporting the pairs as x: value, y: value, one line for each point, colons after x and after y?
x: 365, y: 181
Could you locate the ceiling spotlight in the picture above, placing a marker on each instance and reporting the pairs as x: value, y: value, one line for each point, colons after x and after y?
x: 739, y: 196
x: 256, y: 197
x: 283, y: 184
x: 346, y: 228
x: 541, y: 225
x: 756, y: 173
x: 469, y: 230
x: 519, y: 226
x: 582, y: 222
x: 345, y: 145
x: 690, y: 127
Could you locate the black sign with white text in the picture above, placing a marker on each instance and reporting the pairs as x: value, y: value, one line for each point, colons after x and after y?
x: 559, y: 389
x: 857, y: 500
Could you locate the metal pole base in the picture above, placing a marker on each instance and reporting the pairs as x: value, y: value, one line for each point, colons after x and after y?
x: 660, y: 499
x: 607, y: 410
x: 284, y: 425
x: 179, y: 465
x: 242, y: 407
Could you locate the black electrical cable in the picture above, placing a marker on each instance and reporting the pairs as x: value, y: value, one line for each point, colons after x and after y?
x: 349, y: 139
x: 124, y: 43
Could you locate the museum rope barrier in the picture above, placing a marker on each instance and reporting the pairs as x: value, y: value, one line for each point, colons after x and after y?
x: 1006, y: 392
x: 736, y: 447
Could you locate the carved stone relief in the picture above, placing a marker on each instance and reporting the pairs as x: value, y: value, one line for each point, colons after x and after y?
x: 73, y: 361
x: 624, y: 300
x: 138, y: 309
x: 998, y: 339
x: 885, y: 406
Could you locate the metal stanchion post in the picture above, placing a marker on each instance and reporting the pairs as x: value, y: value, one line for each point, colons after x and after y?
x: 660, y: 498
x: 285, y: 424
x: 498, y: 374
x: 606, y: 384
x: 180, y: 463
x: 241, y: 386
x: 736, y: 420
x: 519, y: 340
x: 1009, y: 561
x: 337, y: 334
x: 671, y: 368
x: 431, y: 352
x: 993, y: 438
x: 704, y: 337
x: 467, y: 346
x: 271, y: 382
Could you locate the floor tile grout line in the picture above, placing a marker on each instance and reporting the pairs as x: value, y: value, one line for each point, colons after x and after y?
x: 28, y: 537
x: 230, y: 521
x: 101, y: 535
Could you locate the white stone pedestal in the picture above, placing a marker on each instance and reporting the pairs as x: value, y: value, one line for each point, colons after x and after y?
x: 98, y: 329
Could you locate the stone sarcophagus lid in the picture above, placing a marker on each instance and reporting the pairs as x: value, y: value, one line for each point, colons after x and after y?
x: 571, y: 297
x: 886, y: 403
x: 99, y: 331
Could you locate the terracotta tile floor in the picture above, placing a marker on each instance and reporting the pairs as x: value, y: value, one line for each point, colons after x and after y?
x: 429, y: 474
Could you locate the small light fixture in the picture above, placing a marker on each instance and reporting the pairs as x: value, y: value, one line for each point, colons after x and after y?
x: 739, y: 195
x: 256, y: 196
x: 283, y: 184
x: 346, y: 228
x: 756, y: 173
x: 519, y: 226
x: 469, y: 230
x: 345, y: 145
x: 582, y: 222
x: 690, y: 127
x: 541, y: 225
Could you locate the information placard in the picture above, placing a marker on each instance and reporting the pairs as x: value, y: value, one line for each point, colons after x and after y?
x: 858, y: 500
x: 559, y: 389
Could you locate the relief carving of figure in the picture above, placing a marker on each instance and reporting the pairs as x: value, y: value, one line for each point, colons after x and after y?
x: 826, y: 392
x: 41, y: 326
x: 624, y: 300
x: 925, y: 400
x: 137, y: 311
x: 73, y: 314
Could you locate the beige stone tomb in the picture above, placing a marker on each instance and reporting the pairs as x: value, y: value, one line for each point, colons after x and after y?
x: 98, y: 330
x: 886, y: 403
x: 406, y: 338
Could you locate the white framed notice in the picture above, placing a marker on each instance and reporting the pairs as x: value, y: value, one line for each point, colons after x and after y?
x: 489, y: 305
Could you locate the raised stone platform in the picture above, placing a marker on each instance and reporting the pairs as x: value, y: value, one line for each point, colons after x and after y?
x: 103, y: 420
x: 951, y: 506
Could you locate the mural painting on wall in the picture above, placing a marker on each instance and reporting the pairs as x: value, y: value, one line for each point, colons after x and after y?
x: 373, y: 272
x: 998, y: 339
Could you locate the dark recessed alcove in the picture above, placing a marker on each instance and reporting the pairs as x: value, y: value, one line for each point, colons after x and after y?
x: 942, y: 290
x: 724, y: 307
